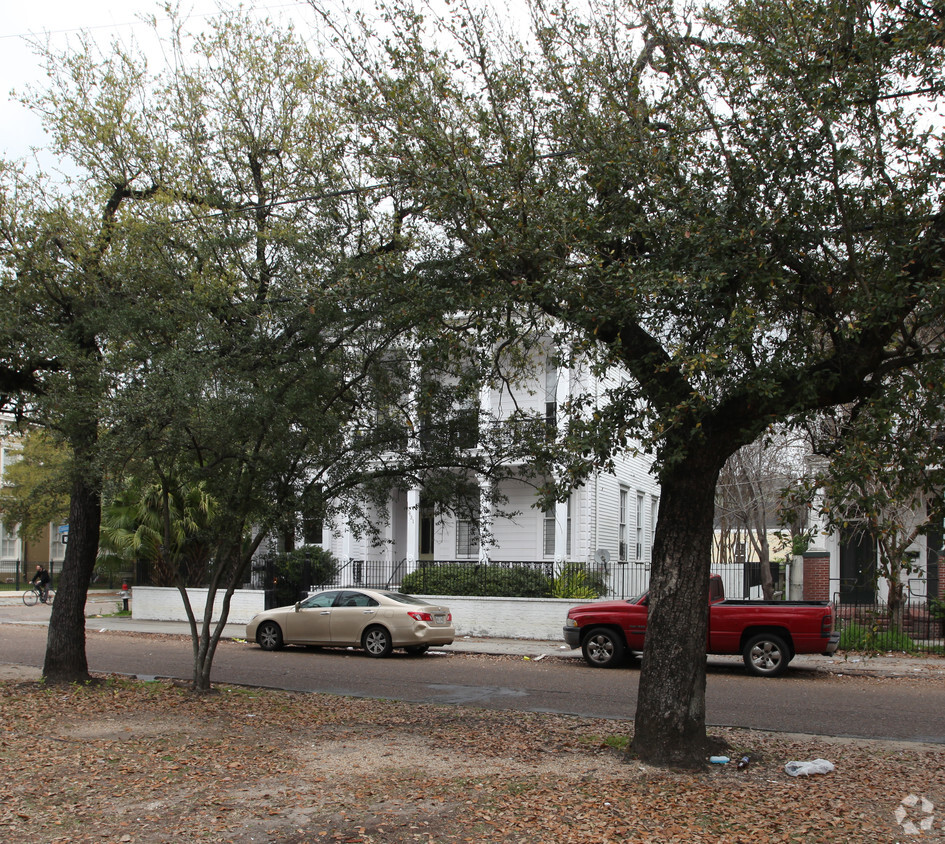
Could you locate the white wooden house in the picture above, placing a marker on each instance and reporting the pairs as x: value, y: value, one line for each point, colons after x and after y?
x: 609, y: 520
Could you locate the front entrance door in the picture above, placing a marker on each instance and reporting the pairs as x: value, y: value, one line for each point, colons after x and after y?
x: 427, y: 537
x: 857, y: 569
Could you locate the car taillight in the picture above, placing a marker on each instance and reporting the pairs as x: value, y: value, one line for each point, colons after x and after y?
x: 420, y: 616
x: 826, y: 626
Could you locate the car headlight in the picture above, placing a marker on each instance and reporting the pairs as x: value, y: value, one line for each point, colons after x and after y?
x: 570, y: 622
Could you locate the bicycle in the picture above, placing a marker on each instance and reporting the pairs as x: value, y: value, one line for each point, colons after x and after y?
x: 35, y: 595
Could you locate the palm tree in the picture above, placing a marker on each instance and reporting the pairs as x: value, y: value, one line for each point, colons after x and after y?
x: 171, y: 526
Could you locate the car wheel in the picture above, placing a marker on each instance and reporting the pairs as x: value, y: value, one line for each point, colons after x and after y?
x: 269, y: 636
x: 603, y: 648
x: 416, y: 650
x: 377, y: 642
x: 766, y: 655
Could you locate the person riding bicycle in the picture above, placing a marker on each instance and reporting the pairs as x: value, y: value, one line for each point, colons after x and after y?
x: 41, y: 580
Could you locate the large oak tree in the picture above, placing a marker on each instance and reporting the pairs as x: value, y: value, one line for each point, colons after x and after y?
x: 739, y: 205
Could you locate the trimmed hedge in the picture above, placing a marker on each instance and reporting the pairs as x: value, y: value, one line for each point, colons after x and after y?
x: 491, y: 581
x: 477, y: 581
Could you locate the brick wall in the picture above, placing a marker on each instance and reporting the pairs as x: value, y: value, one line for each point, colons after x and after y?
x: 817, y: 576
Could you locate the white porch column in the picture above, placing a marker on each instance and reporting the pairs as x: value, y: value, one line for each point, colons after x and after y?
x: 485, y: 408
x: 389, y: 546
x: 414, y: 447
x: 413, y: 529
x: 347, y: 543
x: 562, y: 395
x: 562, y: 386
x: 561, y: 532
x: 485, y: 519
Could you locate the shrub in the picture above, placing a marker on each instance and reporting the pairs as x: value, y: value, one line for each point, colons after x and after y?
x: 855, y: 637
x: 477, y: 581
x: 893, y: 640
x: 575, y: 581
x: 296, y: 571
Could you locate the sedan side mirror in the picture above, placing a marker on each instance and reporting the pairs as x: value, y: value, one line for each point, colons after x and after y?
x: 298, y: 605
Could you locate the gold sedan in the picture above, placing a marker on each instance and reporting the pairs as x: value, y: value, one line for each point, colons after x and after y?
x: 375, y: 620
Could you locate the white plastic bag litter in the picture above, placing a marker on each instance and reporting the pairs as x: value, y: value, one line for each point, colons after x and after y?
x: 808, y: 769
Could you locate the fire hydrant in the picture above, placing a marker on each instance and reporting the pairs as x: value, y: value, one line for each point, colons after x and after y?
x: 124, y: 596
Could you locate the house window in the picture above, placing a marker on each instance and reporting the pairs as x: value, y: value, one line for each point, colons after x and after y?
x: 568, y: 549
x: 654, y: 518
x: 9, y: 544
x: 551, y: 419
x: 313, y: 528
x: 549, y: 544
x: 549, y: 532
x: 639, y: 525
x: 459, y: 428
x: 464, y: 426
x: 467, y: 538
x: 622, y: 536
x: 426, y: 532
x: 551, y: 397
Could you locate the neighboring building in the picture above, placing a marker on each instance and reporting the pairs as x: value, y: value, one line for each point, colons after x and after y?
x: 842, y: 567
x: 49, y: 550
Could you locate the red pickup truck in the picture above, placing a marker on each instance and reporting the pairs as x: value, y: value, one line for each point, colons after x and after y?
x: 766, y: 633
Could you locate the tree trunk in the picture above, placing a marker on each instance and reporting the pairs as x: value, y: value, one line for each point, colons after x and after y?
x: 206, y: 637
x: 66, y: 661
x: 894, y: 602
x: 764, y: 555
x: 203, y: 656
x: 669, y: 727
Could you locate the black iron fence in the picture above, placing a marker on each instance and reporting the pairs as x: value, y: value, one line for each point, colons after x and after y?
x: 917, y: 626
x: 538, y: 578
x: 14, y: 574
x: 580, y: 580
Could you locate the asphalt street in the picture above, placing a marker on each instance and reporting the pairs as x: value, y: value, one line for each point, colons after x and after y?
x: 892, y: 699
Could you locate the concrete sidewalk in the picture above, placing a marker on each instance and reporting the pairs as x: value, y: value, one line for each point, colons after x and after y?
x: 100, y: 606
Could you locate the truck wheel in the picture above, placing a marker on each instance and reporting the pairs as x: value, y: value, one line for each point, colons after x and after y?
x: 603, y: 648
x: 766, y: 655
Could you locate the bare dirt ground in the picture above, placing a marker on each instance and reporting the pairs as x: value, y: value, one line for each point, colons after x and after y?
x: 125, y: 761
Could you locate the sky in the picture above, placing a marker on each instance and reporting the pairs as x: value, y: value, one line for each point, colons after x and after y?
x: 60, y: 21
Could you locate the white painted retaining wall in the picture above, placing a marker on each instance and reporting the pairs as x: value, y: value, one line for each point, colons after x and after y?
x: 504, y: 618
x: 155, y: 603
x: 508, y: 618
